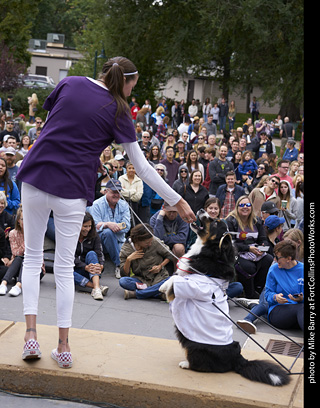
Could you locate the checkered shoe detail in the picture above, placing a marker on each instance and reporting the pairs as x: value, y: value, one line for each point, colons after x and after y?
x: 64, y: 359
x: 31, y: 350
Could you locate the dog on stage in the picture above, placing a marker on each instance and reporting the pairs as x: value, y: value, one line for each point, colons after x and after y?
x: 199, y: 284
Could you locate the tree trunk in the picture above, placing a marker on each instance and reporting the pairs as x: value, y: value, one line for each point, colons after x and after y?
x: 290, y: 110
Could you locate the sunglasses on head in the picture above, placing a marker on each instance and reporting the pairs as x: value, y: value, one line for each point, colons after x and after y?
x: 245, y: 205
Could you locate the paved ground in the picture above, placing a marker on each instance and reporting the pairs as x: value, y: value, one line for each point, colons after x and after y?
x: 114, y: 314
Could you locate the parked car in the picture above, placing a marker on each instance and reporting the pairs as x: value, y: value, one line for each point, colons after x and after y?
x: 41, y: 78
x: 28, y: 83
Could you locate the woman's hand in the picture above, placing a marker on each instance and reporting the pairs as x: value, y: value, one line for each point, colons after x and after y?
x: 102, y: 169
x: 93, y: 268
x: 185, y: 211
x: 136, y: 255
x: 297, y: 298
x: 155, y: 269
x: 255, y: 250
x: 279, y: 298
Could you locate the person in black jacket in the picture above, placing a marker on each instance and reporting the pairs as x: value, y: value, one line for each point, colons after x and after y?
x: 218, y: 169
x: 195, y: 194
x: 249, y: 236
x: 89, y: 259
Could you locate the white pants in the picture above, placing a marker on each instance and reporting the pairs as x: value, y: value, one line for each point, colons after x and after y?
x: 68, y: 219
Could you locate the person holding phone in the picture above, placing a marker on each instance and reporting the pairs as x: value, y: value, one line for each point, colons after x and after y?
x: 59, y: 174
x: 285, y: 288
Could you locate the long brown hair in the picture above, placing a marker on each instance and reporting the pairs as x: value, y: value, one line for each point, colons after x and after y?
x: 113, y: 73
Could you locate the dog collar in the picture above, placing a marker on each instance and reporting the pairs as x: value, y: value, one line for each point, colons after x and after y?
x: 183, y: 270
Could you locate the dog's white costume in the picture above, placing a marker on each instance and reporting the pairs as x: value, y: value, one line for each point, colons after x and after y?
x: 195, y: 315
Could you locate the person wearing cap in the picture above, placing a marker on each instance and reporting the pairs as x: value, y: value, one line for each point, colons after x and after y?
x: 121, y: 165
x: 170, y: 228
x: 268, y: 208
x: 291, y: 152
x: 10, y: 155
x: 180, y: 152
x: 112, y: 218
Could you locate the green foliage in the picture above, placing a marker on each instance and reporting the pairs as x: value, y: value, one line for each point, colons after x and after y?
x: 20, y: 101
x: 16, y: 20
x: 62, y: 17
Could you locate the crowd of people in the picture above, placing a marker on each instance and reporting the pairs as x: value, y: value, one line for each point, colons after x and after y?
x: 234, y: 174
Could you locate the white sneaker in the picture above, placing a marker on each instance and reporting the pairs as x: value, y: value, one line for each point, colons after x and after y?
x: 247, y: 326
x: 117, y: 272
x: 104, y: 289
x: 3, y: 290
x: 96, y: 294
x: 15, y: 291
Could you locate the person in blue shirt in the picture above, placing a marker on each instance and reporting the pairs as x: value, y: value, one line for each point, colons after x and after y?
x: 9, y: 187
x: 291, y: 152
x: 247, y: 165
x: 112, y: 218
x: 285, y: 288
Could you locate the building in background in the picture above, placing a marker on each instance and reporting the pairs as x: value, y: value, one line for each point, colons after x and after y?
x: 51, y: 58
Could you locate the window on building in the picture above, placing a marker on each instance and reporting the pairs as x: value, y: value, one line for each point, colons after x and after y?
x: 41, y: 71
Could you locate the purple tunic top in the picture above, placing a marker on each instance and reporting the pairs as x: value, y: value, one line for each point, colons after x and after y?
x: 65, y: 158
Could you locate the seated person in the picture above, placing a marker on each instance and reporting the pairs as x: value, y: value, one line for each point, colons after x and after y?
x: 274, y: 226
x: 249, y: 238
x: 89, y: 259
x: 285, y: 288
x: 112, y: 218
x: 142, y: 264
x: 171, y: 229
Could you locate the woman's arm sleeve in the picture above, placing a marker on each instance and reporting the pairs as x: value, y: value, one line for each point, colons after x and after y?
x: 149, y: 175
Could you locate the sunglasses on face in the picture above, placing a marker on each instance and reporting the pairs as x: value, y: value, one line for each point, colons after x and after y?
x: 275, y: 182
x: 278, y: 257
x: 242, y: 205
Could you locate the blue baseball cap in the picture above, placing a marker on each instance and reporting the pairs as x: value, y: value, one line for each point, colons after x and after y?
x: 114, y: 185
x: 273, y: 221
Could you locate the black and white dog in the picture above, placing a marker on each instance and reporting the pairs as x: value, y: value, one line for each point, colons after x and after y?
x: 199, y: 284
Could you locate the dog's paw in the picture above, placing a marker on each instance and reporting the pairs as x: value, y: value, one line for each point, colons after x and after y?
x: 184, y: 364
x: 167, y: 288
